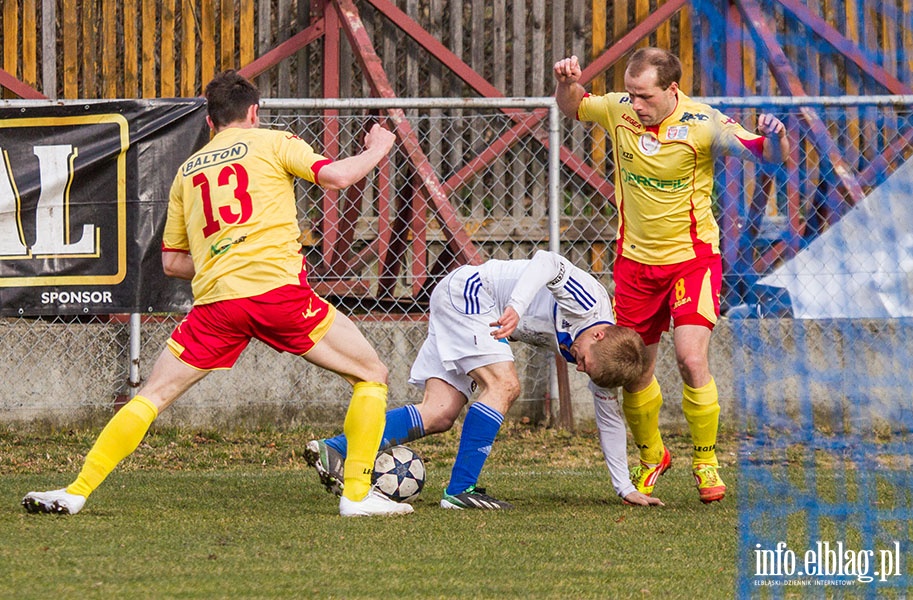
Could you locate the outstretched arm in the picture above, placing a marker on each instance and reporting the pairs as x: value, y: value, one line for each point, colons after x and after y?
x: 343, y: 173
x: 776, y: 144
x: 568, y: 93
x: 613, y: 441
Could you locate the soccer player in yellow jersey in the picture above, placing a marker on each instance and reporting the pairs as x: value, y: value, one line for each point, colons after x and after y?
x: 232, y: 230
x: 668, y: 264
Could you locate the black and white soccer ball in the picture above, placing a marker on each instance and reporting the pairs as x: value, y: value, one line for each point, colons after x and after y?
x: 399, y: 473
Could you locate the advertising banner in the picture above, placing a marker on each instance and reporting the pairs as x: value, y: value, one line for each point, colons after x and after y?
x: 83, y: 200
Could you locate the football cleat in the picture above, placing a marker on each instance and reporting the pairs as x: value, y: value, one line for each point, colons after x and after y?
x: 374, y: 504
x: 329, y: 463
x: 56, y: 502
x: 709, y: 484
x: 644, y: 475
x: 474, y: 497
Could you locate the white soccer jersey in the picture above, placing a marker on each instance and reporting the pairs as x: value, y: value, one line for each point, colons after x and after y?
x: 556, y: 302
x: 554, y: 297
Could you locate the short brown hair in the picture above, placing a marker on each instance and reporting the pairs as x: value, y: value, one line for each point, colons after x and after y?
x: 228, y: 97
x: 668, y: 66
x: 620, y: 358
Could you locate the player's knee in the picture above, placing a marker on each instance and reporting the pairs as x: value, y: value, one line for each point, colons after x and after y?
x: 438, y: 423
x: 513, y: 392
x: 506, y: 391
x: 692, y: 368
x: 376, y: 371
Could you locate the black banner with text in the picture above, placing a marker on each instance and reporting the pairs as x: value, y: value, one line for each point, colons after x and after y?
x: 83, y: 200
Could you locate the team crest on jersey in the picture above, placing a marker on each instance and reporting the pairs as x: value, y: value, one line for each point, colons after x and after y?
x: 677, y: 132
x: 648, y: 144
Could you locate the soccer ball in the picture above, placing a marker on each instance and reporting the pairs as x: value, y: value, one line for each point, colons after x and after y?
x: 399, y: 473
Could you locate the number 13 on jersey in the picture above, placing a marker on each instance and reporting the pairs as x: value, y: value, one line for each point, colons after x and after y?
x: 235, y: 212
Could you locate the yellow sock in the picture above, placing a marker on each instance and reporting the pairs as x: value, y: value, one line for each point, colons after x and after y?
x: 117, y: 440
x: 642, y: 414
x: 363, y: 428
x: 702, y: 411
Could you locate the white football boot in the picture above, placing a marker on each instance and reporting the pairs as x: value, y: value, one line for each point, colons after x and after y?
x: 375, y: 503
x: 56, y: 501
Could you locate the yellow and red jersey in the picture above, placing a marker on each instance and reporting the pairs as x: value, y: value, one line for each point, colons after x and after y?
x: 232, y: 206
x: 664, y: 175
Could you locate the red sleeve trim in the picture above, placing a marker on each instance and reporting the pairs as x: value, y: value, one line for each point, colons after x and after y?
x: 585, y: 95
x: 167, y: 249
x: 317, y: 166
x: 755, y: 146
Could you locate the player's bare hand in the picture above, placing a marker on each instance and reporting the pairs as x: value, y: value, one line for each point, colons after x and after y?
x: 567, y: 70
x: 506, y: 324
x: 380, y: 138
x: 639, y: 499
x: 769, y: 126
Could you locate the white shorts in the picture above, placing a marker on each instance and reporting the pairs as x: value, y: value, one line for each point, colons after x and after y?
x: 459, y: 335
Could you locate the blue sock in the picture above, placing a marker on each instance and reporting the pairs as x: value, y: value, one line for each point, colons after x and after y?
x: 404, y: 424
x: 480, y: 427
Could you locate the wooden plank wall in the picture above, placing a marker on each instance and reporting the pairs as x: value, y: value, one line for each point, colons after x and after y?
x: 161, y: 48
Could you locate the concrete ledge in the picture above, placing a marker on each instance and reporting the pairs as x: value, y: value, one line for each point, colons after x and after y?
x: 64, y: 374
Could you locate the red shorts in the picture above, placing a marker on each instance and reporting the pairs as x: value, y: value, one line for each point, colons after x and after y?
x: 648, y: 296
x: 291, y: 318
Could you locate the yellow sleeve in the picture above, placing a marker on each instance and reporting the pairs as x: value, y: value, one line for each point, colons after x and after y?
x: 731, y: 139
x: 599, y: 109
x: 297, y: 156
x: 175, y: 235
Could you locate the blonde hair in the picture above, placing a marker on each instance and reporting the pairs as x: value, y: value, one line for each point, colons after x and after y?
x: 620, y: 358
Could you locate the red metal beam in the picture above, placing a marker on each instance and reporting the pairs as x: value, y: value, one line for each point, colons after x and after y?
x: 419, y: 228
x: 330, y: 222
x: 437, y: 49
x: 500, y: 145
x: 23, y: 90
x: 630, y: 39
x: 851, y: 51
x: 788, y: 80
x: 731, y: 236
x: 880, y: 163
x: 282, y: 51
x: 734, y: 72
x: 458, y: 240
x: 603, y: 62
x: 797, y: 222
x: 380, y: 247
x: 483, y: 87
x: 845, y: 47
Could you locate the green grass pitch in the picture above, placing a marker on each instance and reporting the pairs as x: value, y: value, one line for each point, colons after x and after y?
x: 240, y: 515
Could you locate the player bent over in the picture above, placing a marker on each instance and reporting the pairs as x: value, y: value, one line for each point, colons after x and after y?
x: 232, y: 229
x: 545, y: 301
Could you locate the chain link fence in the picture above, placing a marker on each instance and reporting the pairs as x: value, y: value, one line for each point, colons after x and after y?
x: 469, y: 180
